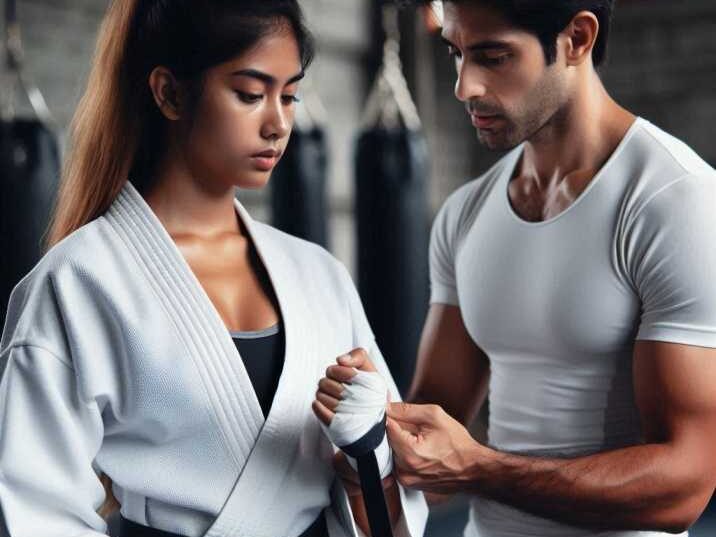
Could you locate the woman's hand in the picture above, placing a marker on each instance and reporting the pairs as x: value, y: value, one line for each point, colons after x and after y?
x: 330, y: 387
x: 328, y: 396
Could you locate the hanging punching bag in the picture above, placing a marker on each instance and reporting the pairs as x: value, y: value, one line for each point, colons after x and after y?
x: 391, y: 173
x: 29, y: 174
x: 298, y: 184
x: 298, y: 200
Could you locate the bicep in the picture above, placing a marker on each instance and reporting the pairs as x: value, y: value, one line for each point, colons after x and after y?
x: 675, y: 395
x: 451, y: 369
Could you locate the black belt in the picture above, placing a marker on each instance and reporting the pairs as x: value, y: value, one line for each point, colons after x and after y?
x: 363, y: 451
x: 127, y: 528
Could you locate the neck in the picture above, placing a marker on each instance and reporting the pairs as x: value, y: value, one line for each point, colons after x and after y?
x: 579, y: 138
x: 191, y: 205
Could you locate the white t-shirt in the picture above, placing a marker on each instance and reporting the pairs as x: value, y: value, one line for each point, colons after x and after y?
x: 557, y: 305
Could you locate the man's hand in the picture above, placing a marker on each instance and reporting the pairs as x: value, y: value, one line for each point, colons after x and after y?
x: 431, y: 451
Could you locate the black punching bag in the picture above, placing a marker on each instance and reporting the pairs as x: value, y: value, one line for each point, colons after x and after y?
x: 29, y: 175
x: 298, y: 186
x: 391, y: 174
x: 391, y: 177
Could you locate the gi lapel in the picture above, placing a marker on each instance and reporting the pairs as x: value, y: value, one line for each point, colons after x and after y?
x: 252, y: 509
x: 233, y: 401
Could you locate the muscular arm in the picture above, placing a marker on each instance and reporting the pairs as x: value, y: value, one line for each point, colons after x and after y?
x: 662, y: 485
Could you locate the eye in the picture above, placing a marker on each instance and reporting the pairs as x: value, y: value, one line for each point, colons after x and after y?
x: 290, y: 99
x: 453, y: 52
x: 494, y: 61
x: 249, y: 98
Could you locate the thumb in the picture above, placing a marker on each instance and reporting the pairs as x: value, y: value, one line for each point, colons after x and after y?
x: 400, y: 439
x: 410, y: 413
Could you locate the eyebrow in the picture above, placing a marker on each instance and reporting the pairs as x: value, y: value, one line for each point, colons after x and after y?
x: 481, y: 45
x: 265, y: 77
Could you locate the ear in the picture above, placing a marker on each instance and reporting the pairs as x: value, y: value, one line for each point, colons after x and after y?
x: 581, y: 35
x: 167, y: 92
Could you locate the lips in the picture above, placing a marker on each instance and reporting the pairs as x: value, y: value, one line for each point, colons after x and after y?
x: 266, y: 160
x: 483, y: 121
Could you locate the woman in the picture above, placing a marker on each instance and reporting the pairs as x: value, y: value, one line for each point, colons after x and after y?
x: 118, y: 353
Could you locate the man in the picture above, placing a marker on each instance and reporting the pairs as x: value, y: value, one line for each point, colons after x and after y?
x: 575, y: 283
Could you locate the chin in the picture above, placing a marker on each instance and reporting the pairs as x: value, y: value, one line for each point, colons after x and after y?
x: 253, y: 181
x: 496, y: 141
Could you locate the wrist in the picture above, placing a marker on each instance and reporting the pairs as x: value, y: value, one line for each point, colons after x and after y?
x: 481, y: 470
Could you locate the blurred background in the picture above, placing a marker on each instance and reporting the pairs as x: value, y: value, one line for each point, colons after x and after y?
x: 365, y: 97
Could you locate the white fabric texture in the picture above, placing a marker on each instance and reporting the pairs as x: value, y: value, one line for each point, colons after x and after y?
x: 114, y: 360
x: 557, y: 305
x: 361, y: 407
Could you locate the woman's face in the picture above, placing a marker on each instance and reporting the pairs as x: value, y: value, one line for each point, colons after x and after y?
x: 243, y: 118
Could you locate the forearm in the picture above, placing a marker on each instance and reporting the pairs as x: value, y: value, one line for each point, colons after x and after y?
x: 392, y: 500
x: 647, y: 487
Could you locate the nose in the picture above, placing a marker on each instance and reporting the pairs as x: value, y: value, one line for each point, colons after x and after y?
x: 469, y: 84
x: 277, y: 121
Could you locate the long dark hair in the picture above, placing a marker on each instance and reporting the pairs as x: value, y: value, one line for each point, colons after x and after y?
x: 117, y: 131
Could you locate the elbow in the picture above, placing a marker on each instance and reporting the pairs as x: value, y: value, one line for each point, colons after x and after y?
x: 680, y: 516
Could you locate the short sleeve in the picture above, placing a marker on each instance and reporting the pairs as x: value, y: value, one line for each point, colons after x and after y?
x: 48, y: 485
x: 672, y: 263
x: 443, y: 238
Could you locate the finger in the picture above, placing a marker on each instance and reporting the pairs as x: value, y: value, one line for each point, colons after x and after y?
x: 330, y: 387
x: 357, y: 358
x: 331, y: 403
x: 401, y: 440
x: 340, y: 373
x: 322, y: 413
x: 411, y: 427
x: 416, y: 414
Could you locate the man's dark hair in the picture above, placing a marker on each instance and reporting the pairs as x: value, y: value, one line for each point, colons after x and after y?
x: 547, y: 18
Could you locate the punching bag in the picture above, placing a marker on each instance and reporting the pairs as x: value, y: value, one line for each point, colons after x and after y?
x: 29, y: 173
x: 298, y: 187
x: 391, y: 174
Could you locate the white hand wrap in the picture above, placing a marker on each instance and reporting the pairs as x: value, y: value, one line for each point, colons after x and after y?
x: 362, y: 406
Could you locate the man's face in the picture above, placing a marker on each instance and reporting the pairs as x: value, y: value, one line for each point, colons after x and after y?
x: 508, y: 90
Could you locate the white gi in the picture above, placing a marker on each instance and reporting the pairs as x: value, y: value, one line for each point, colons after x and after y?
x: 116, y: 361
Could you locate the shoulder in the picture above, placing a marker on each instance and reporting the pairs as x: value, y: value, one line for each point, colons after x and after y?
x: 685, y: 200
x: 672, y: 154
x: 662, y: 173
x: 462, y: 206
x: 35, y: 309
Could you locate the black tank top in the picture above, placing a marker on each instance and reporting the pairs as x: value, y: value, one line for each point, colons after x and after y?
x: 262, y: 353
